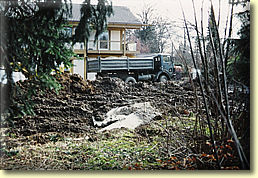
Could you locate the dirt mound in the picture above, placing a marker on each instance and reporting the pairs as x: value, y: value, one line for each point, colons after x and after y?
x: 74, y: 83
x: 80, y: 102
x: 64, y: 111
x: 107, y: 84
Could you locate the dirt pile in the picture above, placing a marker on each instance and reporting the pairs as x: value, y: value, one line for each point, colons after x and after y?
x: 64, y: 111
x: 80, y: 102
x: 74, y: 83
x: 107, y: 84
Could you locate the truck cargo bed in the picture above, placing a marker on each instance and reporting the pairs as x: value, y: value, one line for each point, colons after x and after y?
x: 128, y: 64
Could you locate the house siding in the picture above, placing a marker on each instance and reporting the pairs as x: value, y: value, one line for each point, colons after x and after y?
x: 110, y: 43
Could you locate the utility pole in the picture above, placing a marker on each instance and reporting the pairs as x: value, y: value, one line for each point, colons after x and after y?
x: 85, y: 58
x: 172, y: 50
x: 184, y: 41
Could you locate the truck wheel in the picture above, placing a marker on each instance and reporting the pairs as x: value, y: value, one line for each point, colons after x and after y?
x: 130, y: 80
x: 163, y: 78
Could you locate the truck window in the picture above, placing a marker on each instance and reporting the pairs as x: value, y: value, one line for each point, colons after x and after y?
x: 157, y: 59
x: 166, y: 59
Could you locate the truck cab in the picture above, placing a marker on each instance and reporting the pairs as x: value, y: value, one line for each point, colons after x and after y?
x: 164, y: 66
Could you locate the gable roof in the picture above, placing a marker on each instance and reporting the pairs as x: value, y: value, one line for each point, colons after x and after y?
x: 121, y: 15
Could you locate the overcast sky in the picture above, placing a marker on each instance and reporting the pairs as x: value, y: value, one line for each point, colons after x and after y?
x: 171, y: 10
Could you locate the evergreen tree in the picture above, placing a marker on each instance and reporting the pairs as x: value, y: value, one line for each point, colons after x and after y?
x: 34, y: 40
x: 239, y: 63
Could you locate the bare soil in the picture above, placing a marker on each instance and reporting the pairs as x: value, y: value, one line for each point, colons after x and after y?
x: 79, y: 102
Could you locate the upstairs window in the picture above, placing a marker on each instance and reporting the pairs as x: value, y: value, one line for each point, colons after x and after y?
x: 115, y: 41
x: 104, y: 41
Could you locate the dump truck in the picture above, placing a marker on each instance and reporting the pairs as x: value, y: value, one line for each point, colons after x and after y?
x: 159, y: 67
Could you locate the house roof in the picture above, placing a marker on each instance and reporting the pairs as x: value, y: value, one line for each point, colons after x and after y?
x: 121, y: 15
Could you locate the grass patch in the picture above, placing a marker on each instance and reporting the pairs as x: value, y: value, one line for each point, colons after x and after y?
x: 158, y: 145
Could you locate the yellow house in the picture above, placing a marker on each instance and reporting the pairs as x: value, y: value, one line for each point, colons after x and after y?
x: 112, y: 42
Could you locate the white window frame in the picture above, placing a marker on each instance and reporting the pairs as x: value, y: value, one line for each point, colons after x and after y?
x: 106, y: 34
x: 115, y: 40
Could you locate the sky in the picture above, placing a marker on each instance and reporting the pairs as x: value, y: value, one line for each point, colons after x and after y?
x: 171, y: 10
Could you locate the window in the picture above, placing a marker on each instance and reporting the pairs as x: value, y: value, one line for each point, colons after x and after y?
x: 103, y: 41
x: 115, y: 40
x: 166, y: 59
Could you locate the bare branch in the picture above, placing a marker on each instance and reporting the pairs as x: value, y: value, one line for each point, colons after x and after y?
x: 203, y: 95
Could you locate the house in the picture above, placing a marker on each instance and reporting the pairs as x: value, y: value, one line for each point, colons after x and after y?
x: 111, y: 42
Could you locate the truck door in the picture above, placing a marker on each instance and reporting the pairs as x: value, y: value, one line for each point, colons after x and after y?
x: 157, y: 63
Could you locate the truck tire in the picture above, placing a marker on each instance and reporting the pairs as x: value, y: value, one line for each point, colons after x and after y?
x: 163, y: 78
x: 130, y: 80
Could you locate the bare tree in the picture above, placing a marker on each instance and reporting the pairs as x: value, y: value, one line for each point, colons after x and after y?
x: 214, y: 88
x: 155, y: 33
